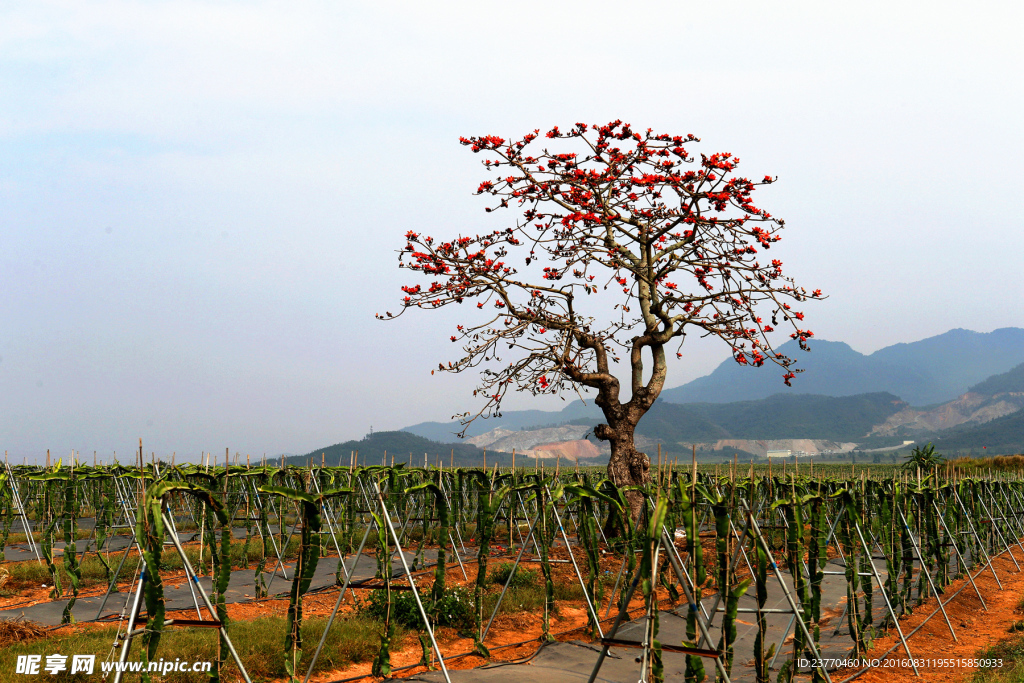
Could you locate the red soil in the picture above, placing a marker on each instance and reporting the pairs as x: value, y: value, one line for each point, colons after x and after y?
x: 975, y: 629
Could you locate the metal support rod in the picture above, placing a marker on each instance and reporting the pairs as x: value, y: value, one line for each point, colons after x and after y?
x: 113, y: 581
x: 330, y: 527
x: 511, y: 575
x: 785, y: 589
x: 884, y: 655
x: 615, y: 628
x: 583, y: 585
x: 1007, y: 517
x: 785, y: 634
x: 337, y: 604
x: 967, y: 570
x: 131, y: 623
x: 455, y: 548
x: 284, y: 547
x: 456, y: 525
x: 928, y: 574
x: 691, y: 601
x: 412, y: 584
x: 672, y: 550
x: 739, y: 546
x: 618, y: 577
x: 206, y: 601
x: 885, y: 596
x: 25, y: 524
x: 522, y: 506
x: 122, y: 496
x: 169, y: 516
x: 974, y: 532
x: 992, y: 523
x: 652, y: 602
x: 273, y: 541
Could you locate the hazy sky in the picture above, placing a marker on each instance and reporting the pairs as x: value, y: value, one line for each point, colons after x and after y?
x: 201, y: 201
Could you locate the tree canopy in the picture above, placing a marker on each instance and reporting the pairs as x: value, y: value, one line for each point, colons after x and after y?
x: 623, y: 242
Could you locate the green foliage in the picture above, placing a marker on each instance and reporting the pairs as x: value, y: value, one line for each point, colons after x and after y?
x: 305, y: 567
x: 489, y: 500
x: 353, y: 639
x: 1011, y: 652
x: 796, y: 514
x: 454, y: 609
x: 1010, y: 381
x: 923, y: 457
x: 521, y: 577
x: 687, y: 502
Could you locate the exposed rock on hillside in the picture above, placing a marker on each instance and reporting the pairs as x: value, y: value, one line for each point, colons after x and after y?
x: 566, y: 450
x: 798, y: 447
x: 506, y: 439
x: 971, y: 408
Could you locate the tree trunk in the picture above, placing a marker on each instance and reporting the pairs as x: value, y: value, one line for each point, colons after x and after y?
x: 627, y: 466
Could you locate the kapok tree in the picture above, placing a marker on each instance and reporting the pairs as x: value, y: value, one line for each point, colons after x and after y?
x: 625, y: 243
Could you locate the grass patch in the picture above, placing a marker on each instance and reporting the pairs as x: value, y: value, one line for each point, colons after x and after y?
x: 58, y: 536
x: 32, y: 574
x: 1011, y: 651
x: 530, y: 597
x: 260, y: 644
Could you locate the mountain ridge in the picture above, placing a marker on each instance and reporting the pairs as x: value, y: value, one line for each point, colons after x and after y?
x: 929, y: 371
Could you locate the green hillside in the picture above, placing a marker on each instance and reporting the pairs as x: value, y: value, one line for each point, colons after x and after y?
x: 925, y: 372
x: 788, y: 416
x: 403, y: 446
x: 782, y: 416
x: 1007, y: 382
x: 1002, y: 436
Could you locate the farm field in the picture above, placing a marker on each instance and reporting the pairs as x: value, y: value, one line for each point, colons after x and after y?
x: 432, y: 574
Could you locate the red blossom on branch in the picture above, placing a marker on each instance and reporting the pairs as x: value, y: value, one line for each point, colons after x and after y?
x: 627, y: 208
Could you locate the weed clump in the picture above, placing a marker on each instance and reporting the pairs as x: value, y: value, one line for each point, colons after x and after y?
x: 454, y: 609
x: 521, y: 578
x: 19, y: 631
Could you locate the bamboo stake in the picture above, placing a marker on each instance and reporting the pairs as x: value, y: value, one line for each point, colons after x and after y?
x: 659, y: 464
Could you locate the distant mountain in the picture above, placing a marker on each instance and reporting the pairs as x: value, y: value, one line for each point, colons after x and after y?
x: 781, y: 416
x: 955, y: 360
x: 1002, y: 436
x: 677, y: 424
x: 962, y: 379
x: 403, y: 446
x: 925, y: 372
x: 1011, y: 381
x: 993, y: 398
x: 511, y: 419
